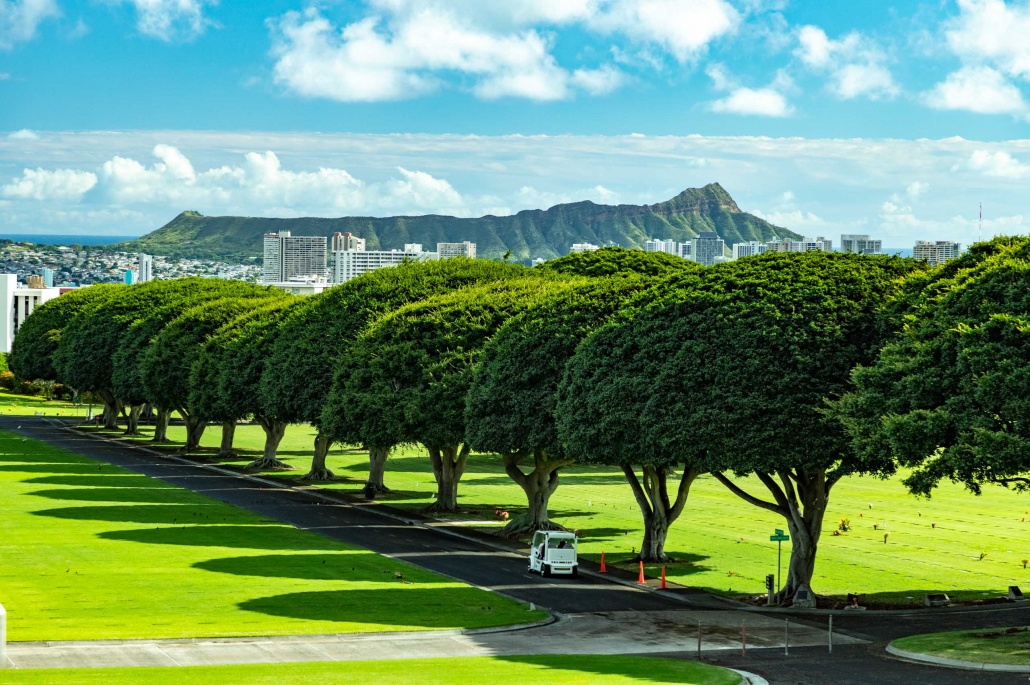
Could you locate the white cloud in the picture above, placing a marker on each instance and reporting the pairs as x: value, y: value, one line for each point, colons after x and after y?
x: 992, y: 32
x: 982, y: 90
x: 59, y: 184
x: 23, y: 134
x: 769, y: 101
x: 916, y: 188
x: 19, y: 19
x: 170, y: 20
x: 996, y: 164
x: 855, y: 65
x: 4, y: 76
x: 408, y: 48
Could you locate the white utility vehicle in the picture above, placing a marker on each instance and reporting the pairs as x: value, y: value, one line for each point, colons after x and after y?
x: 554, y: 552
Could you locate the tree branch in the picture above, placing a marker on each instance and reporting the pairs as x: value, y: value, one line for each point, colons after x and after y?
x: 638, y: 492
x: 732, y: 487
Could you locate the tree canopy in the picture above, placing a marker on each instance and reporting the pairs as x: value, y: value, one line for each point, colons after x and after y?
x: 731, y: 374
x: 405, y: 379
x: 33, y: 348
x: 947, y: 395
x: 511, y: 401
x: 618, y: 261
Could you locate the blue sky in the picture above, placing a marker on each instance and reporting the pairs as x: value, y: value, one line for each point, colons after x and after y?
x: 893, y: 118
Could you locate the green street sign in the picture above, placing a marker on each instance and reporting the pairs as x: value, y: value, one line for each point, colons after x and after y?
x: 779, y: 537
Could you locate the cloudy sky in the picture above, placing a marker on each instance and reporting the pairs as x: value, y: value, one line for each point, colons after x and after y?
x: 895, y: 118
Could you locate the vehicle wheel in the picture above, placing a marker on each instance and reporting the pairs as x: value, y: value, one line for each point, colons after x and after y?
x: 547, y: 571
x: 575, y: 571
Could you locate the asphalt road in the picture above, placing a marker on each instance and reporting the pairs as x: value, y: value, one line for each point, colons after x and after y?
x: 479, y: 563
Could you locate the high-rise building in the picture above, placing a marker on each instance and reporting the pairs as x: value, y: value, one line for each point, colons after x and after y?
x: 130, y: 277
x: 48, y: 277
x: 146, y: 268
x: 348, y: 264
x: 16, y: 304
x: 860, y: 244
x: 707, y: 247
x: 819, y: 244
x: 465, y: 249
x: 584, y: 247
x: 347, y: 241
x: 667, y: 246
x: 748, y: 249
x: 936, y: 252
x: 293, y: 258
x: 685, y: 250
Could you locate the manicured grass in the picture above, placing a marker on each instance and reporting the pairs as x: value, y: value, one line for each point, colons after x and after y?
x: 28, y: 405
x: 996, y: 646
x: 515, y: 670
x: 90, y: 551
x: 721, y: 543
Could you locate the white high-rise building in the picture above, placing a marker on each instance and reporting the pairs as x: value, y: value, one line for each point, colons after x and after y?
x: 293, y: 258
x: 708, y: 248
x: 819, y: 244
x: 860, y: 244
x: 146, y: 268
x: 16, y: 304
x: 448, y: 250
x: 666, y: 246
x: 748, y: 249
x: 936, y: 252
x: 348, y: 264
x: 347, y: 241
x: 584, y: 247
x: 686, y: 250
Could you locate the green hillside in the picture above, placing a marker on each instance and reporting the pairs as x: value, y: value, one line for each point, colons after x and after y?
x: 528, y: 234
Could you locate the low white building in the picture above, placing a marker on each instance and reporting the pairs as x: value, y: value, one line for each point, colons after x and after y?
x: 936, y: 252
x: 310, y: 287
x: 16, y: 304
x: 584, y: 247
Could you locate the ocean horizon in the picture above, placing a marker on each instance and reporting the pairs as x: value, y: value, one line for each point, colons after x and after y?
x: 65, y: 238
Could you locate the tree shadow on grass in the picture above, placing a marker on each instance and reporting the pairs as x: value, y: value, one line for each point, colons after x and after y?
x: 632, y: 668
x: 272, y: 537
x: 173, y: 514
x: 156, y: 495
x: 414, y: 605
x: 353, y: 566
x: 14, y: 451
x: 97, y: 480
x: 48, y: 467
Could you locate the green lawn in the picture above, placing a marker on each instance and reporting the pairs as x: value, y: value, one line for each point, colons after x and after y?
x: 515, y: 670
x: 96, y: 552
x: 27, y: 405
x: 996, y: 646
x: 720, y: 542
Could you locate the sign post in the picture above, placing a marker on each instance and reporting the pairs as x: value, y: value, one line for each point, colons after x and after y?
x: 779, y: 538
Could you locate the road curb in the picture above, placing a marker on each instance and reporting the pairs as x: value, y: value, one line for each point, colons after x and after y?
x: 921, y: 658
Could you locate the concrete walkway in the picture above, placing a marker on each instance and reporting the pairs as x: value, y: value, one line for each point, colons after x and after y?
x: 623, y: 632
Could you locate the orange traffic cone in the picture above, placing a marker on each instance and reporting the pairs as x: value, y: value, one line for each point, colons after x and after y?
x: 663, y: 577
x: 640, y: 580
x: 604, y: 569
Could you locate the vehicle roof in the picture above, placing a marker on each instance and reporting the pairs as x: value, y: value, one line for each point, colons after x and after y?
x: 559, y: 534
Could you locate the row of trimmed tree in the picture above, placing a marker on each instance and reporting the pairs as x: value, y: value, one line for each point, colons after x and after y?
x: 798, y: 369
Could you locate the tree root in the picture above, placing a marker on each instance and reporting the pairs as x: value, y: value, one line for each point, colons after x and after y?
x: 522, y: 526
x: 320, y: 475
x: 264, y: 464
x: 231, y: 454
x: 436, y: 508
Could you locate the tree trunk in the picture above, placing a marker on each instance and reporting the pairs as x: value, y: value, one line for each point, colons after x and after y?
x: 161, y: 425
x: 269, y: 461
x: 539, y: 484
x: 801, y: 498
x: 132, y: 424
x: 377, y: 469
x: 225, y: 450
x: 318, y: 468
x: 658, y: 511
x: 448, y: 467
x: 194, y: 431
x: 112, y: 407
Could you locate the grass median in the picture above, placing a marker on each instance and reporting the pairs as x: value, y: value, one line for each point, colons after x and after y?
x: 515, y: 670
x: 1009, y: 646
x: 91, y: 551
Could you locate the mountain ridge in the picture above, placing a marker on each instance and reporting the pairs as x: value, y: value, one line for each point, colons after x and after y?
x: 528, y: 234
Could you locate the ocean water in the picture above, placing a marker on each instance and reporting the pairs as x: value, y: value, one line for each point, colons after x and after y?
x: 65, y: 239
